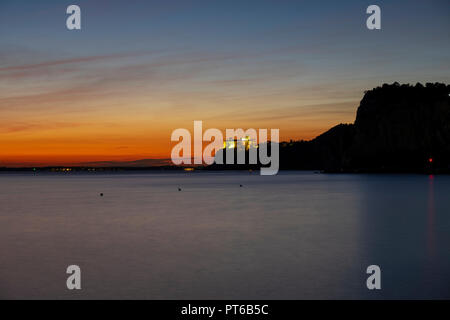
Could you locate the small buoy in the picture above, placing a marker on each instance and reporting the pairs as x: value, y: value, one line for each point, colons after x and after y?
x: 240, y: 185
x: 101, y: 194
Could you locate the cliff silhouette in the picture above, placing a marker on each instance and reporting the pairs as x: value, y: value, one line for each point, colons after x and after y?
x: 398, y: 128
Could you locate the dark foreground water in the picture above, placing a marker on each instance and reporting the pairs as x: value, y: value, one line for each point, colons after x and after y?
x: 290, y: 236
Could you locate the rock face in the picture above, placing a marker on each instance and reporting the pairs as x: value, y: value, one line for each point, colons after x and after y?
x: 397, y: 128
x: 402, y: 127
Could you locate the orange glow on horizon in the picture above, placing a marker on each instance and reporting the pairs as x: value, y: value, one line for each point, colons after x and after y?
x: 59, y: 149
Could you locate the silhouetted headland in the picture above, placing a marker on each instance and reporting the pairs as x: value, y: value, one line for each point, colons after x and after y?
x: 398, y: 128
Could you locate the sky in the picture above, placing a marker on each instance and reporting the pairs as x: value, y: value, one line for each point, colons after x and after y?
x: 139, y: 69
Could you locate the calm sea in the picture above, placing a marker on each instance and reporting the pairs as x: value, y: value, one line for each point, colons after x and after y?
x: 292, y: 236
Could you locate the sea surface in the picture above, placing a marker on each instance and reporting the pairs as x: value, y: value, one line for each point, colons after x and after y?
x: 296, y: 235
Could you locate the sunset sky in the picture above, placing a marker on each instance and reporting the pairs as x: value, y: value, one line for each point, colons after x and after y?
x: 137, y: 70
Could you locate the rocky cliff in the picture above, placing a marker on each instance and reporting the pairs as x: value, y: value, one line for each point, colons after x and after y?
x: 397, y: 128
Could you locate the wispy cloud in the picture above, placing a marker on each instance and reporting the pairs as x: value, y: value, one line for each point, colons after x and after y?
x: 23, y: 126
x: 65, y: 61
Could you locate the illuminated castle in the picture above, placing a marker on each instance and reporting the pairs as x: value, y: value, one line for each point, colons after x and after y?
x: 246, y: 143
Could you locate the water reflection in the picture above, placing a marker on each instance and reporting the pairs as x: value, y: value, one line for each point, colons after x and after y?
x: 431, y: 219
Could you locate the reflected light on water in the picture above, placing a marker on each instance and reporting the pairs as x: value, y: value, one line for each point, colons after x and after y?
x: 430, y: 217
